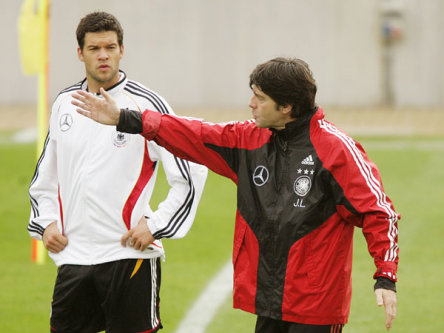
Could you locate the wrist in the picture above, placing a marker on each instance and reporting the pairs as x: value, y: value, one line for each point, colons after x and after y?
x: 384, y: 283
x: 129, y: 121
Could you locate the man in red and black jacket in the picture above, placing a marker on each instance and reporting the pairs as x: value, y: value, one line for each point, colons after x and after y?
x: 303, y: 185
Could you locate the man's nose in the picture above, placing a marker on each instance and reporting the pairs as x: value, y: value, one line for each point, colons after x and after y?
x: 103, y: 54
x: 252, y: 103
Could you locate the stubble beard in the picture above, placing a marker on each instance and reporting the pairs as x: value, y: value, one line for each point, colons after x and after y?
x: 105, y: 79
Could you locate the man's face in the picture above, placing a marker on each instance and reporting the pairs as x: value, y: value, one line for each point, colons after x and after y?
x: 266, y: 112
x: 101, y: 54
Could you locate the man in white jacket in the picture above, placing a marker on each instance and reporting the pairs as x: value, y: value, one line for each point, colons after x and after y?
x: 90, y: 206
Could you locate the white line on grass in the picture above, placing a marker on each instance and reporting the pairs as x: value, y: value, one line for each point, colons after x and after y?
x: 201, y: 314
x: 25, y: 136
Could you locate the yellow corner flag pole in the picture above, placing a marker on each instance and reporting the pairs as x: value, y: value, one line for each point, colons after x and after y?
x: 33, y: 25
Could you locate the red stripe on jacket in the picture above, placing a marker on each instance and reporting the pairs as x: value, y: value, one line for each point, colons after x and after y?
x: 61, y: 211
x: 145, y: 175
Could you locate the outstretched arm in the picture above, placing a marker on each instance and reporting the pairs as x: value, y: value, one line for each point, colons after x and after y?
x: 213, y: 145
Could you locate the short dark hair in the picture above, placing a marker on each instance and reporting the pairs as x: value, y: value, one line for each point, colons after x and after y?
x: 98, y: 22
x: 287, y: 81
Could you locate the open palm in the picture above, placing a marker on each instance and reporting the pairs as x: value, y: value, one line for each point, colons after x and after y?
x: 103, y: 110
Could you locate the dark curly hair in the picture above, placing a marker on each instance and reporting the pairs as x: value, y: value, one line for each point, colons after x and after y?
x: 98, y: 22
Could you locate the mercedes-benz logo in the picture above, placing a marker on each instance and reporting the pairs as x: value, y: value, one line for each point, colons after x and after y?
x: 65, y: 122
x: 260, y: 175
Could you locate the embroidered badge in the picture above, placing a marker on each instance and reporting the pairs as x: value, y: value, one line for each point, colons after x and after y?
x: 120, y: 139
x: 302, y: 185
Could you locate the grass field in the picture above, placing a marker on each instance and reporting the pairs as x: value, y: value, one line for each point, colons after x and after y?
x: 413, y: 174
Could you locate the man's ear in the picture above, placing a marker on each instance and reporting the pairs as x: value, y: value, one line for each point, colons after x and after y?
x: 79, y: 53
x: 286, y: 109
x: 122, y: 48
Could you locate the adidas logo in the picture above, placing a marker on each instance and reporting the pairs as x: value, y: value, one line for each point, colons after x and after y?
x: 308, y: 160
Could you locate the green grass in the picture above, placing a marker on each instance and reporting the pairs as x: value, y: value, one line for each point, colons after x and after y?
x: 414, y: 180
x: 25, y: 288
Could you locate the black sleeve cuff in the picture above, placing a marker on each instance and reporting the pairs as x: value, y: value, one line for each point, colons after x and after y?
x: 384, y: 283
x: 130, y: 122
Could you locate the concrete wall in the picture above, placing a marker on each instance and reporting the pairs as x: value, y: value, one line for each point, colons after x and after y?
x: 199, y: 53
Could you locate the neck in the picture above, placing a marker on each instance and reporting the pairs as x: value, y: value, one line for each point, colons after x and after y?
x: 94, y: 85
x: 282, y: 126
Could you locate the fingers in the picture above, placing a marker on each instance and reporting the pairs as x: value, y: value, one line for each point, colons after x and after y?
x: 390, y: 313
x: 76, y: 102
x: 138, y: 243
x: 84, y: 100
x: 61, y: 242
x: 139, y: 237
x: 84, y: 113
x: 379, y: 299
x: 53, y: 240
x: 81, y: 108
x: 55, y: 243
x: 389, y: 321
x: 105, y: 95
x: 134, y: 241
x: 141, y: 245
x: 80, y: 99
x: 103, y: 110
x: 388, y: 299
x: 125, y: 237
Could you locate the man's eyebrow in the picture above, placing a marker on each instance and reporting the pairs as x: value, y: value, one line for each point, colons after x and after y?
x: 96, y: 45
x: 258, y: 94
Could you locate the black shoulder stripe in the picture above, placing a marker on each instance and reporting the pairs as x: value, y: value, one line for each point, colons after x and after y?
x: 152, y: 96
x: 150, y: 93
x: 71, y: 89
x: 156, y: 107
x: 74, y: 87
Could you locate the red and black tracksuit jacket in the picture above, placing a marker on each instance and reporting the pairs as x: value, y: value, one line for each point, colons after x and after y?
x: 300, y: 193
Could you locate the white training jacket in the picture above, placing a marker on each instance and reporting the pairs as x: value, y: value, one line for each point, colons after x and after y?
x: 97, y: 182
